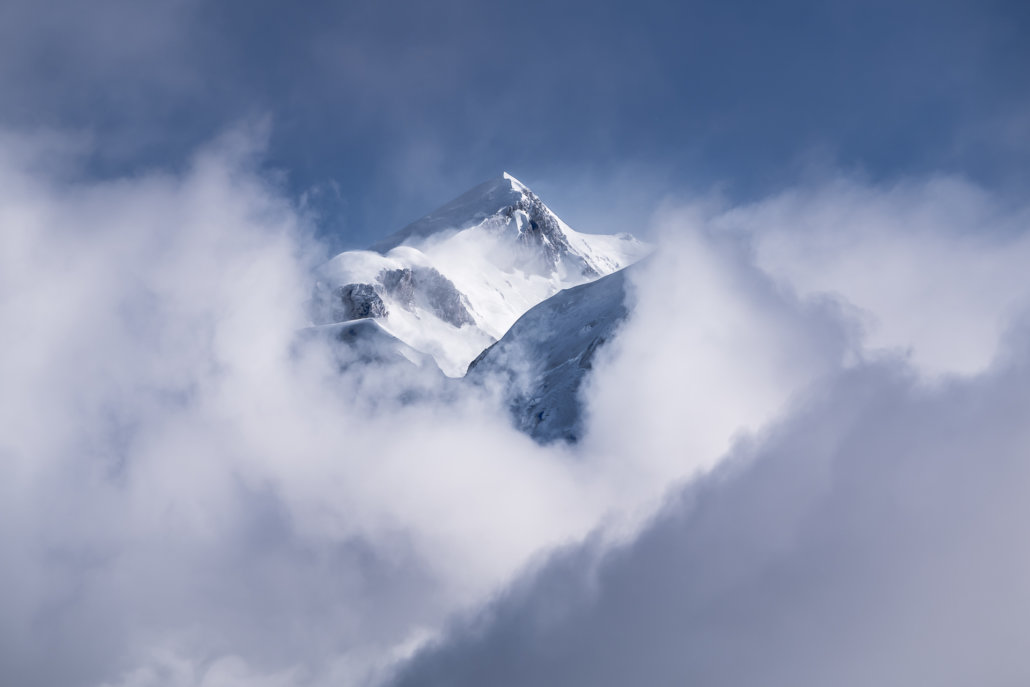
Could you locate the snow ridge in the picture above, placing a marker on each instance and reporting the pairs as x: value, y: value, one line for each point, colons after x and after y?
x: 543, y: 359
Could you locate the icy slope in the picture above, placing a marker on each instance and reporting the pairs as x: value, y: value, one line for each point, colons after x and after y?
x: 542, y: 360
x: 456, y: 280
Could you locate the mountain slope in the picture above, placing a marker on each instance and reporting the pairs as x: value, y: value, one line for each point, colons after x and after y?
x: 455, y: 281
x: 542, y: 360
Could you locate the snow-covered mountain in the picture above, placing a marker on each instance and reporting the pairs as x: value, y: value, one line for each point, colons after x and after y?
x: 542, y: 360
x: 453, y: 283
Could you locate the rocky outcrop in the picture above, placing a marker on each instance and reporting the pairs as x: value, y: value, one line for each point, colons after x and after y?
x: 542, y: 237
x: 427, y: 288
x: 356, y: 301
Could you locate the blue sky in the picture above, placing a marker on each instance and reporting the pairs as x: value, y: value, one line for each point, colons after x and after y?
x: 379, y: 111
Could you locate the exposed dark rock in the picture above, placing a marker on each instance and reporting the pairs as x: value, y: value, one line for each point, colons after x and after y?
x: 331, y: 304
x: 427, y: 288
x: 356, y: 301
x: 400, y: 284
x: 543, y: 237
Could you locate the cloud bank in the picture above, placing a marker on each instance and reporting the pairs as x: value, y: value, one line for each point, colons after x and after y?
x: 194, y: 494
x: 876, y: 537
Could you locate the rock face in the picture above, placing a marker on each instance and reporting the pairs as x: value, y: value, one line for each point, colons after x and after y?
x: 426, y: 287
x: 543, y: 359
x: 406, y: 287
x: 541, y: 236
x: 355, y: 301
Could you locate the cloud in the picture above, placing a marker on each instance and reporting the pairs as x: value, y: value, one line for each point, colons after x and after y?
x: 712, y: 349
x: 936, y: 265
x: 875, y: 537
x: 193, y: 493
x: 871, y: 534
x: 189, y: 486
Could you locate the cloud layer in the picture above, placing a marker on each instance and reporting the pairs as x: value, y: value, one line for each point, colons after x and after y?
x: 194, y: 494
x: 875, y: 537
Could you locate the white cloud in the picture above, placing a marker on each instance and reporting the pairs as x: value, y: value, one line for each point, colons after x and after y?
x: 190, y: 487
x: 179, y: 471
x: 711, y: 350
x: 874, y: 538
x: 193, y: 494
x: 936, y: 265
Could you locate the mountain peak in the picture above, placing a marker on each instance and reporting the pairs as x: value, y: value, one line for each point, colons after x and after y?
x: 468, y: 209
x: 515, y: 183
x: 453, y: 282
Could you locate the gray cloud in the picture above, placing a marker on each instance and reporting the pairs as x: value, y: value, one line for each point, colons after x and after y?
x: 871, y: 535
x: 875, y: 537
